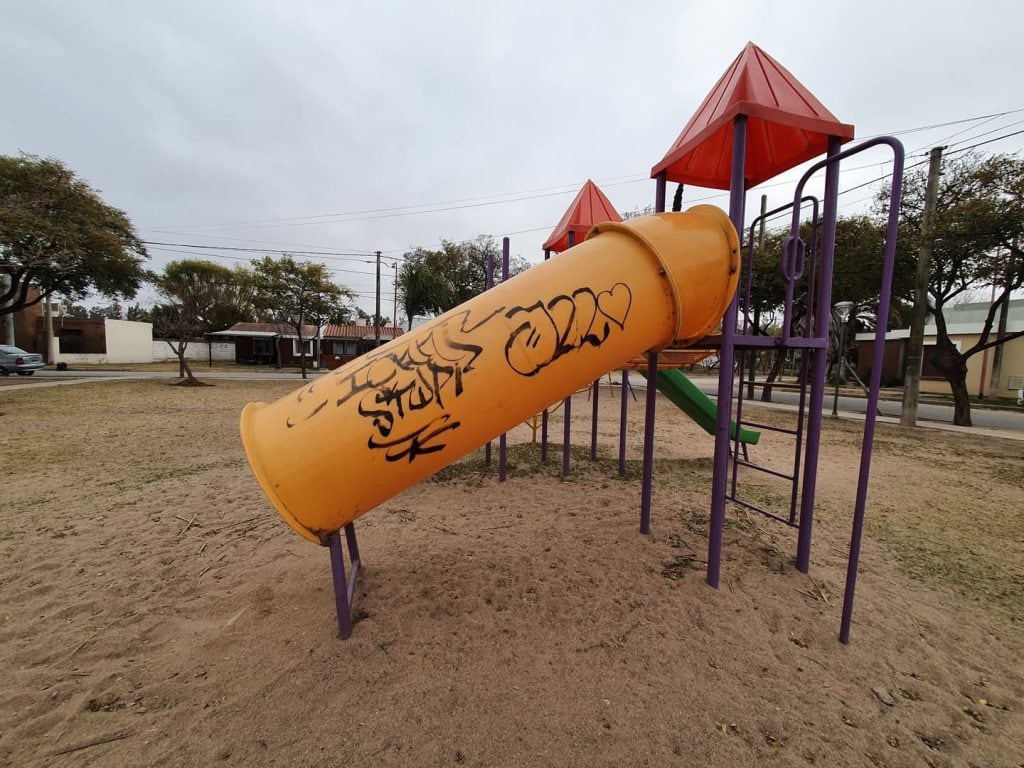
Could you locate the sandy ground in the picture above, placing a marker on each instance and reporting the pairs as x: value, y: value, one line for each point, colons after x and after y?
x: 155, y: 611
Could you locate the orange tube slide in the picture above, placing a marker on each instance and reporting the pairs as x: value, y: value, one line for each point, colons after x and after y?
x: 338, y: 447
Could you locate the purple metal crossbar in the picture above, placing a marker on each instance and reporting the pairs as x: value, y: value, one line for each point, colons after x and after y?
x: 344, y: 589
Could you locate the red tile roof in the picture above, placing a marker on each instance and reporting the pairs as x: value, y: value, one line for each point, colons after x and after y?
x: 350, y: 332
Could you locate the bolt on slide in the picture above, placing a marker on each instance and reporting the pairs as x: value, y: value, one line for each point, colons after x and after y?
x: 355, y: 437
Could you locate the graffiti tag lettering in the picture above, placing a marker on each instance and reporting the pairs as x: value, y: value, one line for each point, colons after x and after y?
x: 548, y: 331
x: 403, y: 389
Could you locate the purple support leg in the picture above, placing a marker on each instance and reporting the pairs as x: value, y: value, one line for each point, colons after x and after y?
x: 650, y: 401
x: 488, y: 284
x: 726, y: 357
x: 622, y: 422
x: 503, y: 440
x: 659, y: 192
x: 344, y: 589
x: 570, y: 240
x: 593, y: 421
x: 648, y: 468
x: 544, y: 415
x: 819, y: 360
x: 875, y: 385
x: 544, y: 437
x: 566, y: 424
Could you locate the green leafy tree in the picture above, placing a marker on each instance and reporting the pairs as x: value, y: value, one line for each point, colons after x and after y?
x: 979, y: 220
x: 56, y: 233
x: 857, y: 268
x: 193, y: 293
x: 368, y: 318
x: 422, y: 286
x: 430, y: 282
x: 296, y: 293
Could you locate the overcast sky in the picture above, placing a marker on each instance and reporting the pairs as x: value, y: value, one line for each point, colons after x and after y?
x: 201, y: 118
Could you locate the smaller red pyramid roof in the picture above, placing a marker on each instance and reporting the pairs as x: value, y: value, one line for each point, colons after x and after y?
x: 786, y: 126
x: 589, y: 209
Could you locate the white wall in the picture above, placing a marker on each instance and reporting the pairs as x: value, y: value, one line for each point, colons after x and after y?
x: 223, y: 351
x: 127, y: 342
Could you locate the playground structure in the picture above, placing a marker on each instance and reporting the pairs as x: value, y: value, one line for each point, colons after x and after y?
x: 670, y: 280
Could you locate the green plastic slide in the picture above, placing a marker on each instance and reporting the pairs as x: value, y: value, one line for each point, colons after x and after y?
x: 686, y: 396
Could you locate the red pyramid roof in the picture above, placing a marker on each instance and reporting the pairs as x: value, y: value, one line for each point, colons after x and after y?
x: 589, y: 209
x: 786, y: 125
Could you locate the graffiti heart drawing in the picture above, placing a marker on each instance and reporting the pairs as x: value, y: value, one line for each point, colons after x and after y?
x: 543, y: 333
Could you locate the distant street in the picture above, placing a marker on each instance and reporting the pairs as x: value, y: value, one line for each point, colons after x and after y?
x: 982, y: 417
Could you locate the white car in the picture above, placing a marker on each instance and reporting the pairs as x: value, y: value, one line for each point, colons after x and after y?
x: 18, y: 360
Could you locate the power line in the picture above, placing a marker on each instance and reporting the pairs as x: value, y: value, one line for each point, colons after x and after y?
x: 517, y: 196
x: 242, y: 258
x: 341, y: 255
x: 561, y: 187
x: 543, y: 192
x: 399, y: 213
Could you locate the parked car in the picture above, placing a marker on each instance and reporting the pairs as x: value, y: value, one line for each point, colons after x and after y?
x: 18, y: 360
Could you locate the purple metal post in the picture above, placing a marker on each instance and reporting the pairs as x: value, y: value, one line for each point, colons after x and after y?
x: 488, y: 284
x: 593, y: 421
x: 570, y: 240
x: 648, y: 469
x: 622, y: 422
x: 659, y: 192
x: 503, y: 440
x: 876, y: 381
x: 819, y: 357
x: 726, y: 358
x: 344, y: 589
x: 544, y: 415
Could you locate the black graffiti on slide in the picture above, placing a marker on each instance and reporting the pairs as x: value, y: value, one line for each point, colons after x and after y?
x: 403, y: 389
x: 548, y: 331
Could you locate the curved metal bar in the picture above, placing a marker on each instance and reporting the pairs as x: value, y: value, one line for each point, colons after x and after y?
x: 882, y: 322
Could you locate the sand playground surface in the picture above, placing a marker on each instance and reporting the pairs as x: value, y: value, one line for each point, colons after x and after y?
x: 155, y: 610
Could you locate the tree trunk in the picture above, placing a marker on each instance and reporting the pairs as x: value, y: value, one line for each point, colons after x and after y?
x: 184, y: 369
x: 953, y: 366
x: 773, y: 374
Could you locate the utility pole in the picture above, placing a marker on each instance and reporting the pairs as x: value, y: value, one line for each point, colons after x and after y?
x: 376, y: 322
x: 915, y: 344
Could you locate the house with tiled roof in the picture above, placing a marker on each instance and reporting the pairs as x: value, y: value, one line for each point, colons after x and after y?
x: 277, y: 344
x: 341, y: 343
x: 274, y: 344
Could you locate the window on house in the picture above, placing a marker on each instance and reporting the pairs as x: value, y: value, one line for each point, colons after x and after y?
x: 263, y: 346
x: 297, y: 350
x: 348, y: 348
